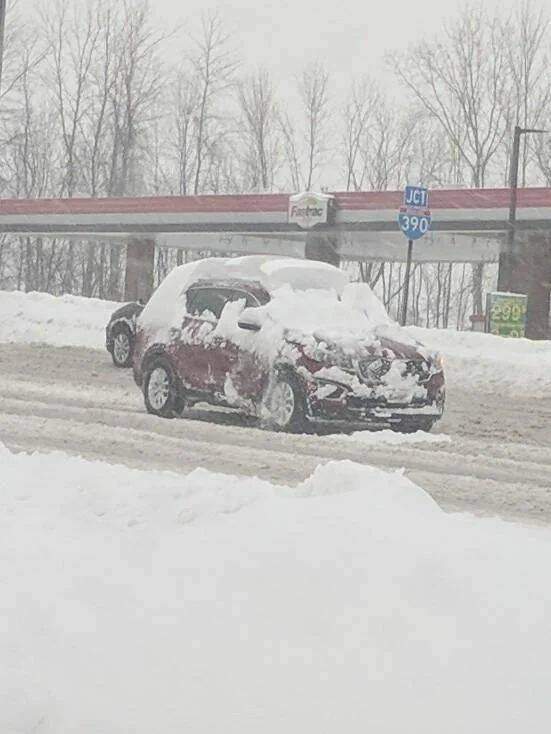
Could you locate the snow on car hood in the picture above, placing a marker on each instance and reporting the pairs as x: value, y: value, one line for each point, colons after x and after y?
x: 352, y: 324
x: 336, y: 332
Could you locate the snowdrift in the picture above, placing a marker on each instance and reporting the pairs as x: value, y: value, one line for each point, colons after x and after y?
x: 62, y: 321
x: 496, y: 364
x: 150, y: 602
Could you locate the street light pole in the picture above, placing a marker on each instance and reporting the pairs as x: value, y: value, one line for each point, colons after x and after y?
x: 506, y: 259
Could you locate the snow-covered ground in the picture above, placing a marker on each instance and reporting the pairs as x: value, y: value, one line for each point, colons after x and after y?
x: 494, y: 363
x: 390, y: 438
x: 498, y: 364
x: 155, y: 602
x: 62, y: 321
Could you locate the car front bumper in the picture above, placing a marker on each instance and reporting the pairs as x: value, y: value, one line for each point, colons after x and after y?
x: 346, y: 408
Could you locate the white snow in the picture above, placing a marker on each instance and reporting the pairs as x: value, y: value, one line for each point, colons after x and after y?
x: 494, y: 363
x: 167, y: 304
x: 387, y: 437
x: 151, y: 602
x: 62, y: 321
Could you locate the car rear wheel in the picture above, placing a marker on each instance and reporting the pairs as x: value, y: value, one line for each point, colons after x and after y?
x: 121, y: 351
x: 283, y: 405
x: 160, y: 390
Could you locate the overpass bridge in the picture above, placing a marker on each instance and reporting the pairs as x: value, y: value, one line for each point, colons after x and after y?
x: 468, y: 225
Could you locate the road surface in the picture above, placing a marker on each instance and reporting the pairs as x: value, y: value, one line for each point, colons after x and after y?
x: 70, y: 399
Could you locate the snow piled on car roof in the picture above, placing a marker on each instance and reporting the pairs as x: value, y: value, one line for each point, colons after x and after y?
x: 271, y: 272
x: 306, y: 295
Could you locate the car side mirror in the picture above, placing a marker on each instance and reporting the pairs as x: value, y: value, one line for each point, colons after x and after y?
x: 248, y: 326
x: 250, y: 319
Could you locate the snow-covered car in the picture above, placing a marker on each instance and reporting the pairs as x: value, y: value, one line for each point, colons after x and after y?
x: 290, y: 341
x: 120, y: 333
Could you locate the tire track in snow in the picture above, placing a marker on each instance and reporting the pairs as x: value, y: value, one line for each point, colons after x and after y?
x: 75, y: 401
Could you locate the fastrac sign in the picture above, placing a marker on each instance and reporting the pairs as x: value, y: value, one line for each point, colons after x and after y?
x: 308, y: 209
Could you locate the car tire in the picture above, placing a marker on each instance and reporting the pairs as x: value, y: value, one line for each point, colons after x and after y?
x: 283, y: 407
x: 123, y: 346
x: 160, y: 389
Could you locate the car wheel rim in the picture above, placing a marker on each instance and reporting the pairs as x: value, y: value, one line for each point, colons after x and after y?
x: 121, y: 347
x: 158, y: 388
x: 282, y: 404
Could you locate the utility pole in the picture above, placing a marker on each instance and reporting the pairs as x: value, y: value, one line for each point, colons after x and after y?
x: 507, y: 258
x: 2, y: 24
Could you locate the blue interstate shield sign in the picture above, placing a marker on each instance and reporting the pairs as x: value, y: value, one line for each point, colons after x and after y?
x: 414, y: 217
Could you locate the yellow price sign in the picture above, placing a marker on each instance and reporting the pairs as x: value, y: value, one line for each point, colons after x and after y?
x: 506, y: 314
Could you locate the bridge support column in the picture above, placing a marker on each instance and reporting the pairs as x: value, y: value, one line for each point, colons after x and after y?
x: 528, y: 270
x: 140, y: 261
x: 322, y: 246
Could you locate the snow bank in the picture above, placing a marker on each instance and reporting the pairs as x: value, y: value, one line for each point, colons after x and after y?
x: 493, y: 363
x: 150, y: 602
x: 388, y: 437
x: 61, y: 321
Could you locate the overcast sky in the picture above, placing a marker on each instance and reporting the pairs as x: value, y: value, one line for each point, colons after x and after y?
x: 351, y: 36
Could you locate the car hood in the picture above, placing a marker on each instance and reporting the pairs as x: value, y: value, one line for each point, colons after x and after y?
x: 403, y: 349
x: 382, y: 342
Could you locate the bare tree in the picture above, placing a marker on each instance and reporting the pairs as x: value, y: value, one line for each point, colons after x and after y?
x: 183, y: 120
x: 314, y: 95
x: 258, y: 130
x: 462, y: 81
x: 72, y: 36
x: 357, y: 116
x: 291, y: 150
x: 214, y: 63
x: 528, y: 61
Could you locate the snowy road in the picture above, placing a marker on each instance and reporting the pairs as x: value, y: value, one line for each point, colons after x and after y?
x: 497, y: 462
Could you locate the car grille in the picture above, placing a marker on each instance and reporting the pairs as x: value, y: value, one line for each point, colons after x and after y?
x: 374, y: 369
x: 418, y: 367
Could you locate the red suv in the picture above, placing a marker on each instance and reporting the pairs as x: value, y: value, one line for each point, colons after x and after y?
x: 289, y: 341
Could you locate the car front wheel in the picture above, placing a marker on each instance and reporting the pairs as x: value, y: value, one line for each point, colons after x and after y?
x: 283, y: 405
x: 161, y: 395
x: 122, y: 347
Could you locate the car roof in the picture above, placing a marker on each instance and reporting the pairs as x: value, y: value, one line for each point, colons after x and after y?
x: 267, y: 271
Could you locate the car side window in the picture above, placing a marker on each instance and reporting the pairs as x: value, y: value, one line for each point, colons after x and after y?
x: 206, y: 300
x: 213, y: 300
x: 250, y: 301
